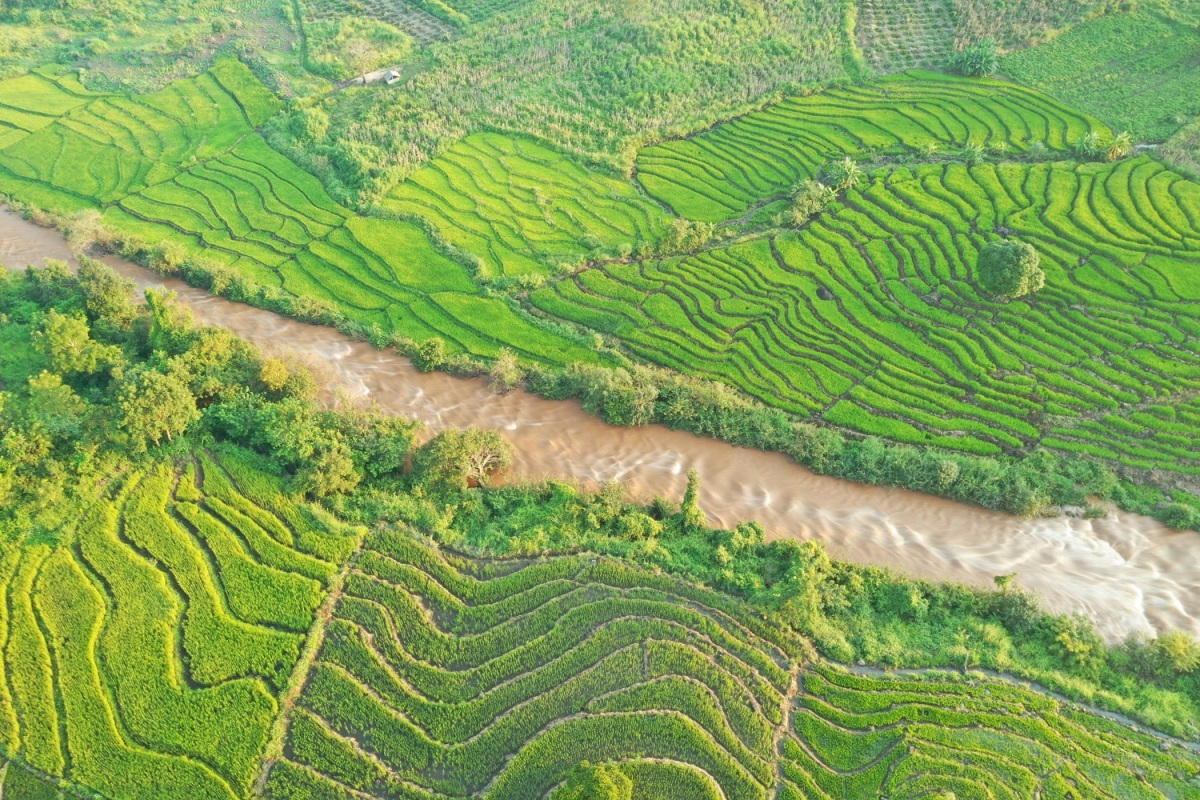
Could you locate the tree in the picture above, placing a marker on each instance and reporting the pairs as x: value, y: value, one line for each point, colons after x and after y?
x: 155, y: 405
x: 359, y: 54
x: 1177, y: 651
x: 106, y: 295
x: 1121, y: 147
x: 602, y: 782
x: 977, y: 60
x: 1089, y: 147
x: 329, y: 471
x: 429, y: 354
x: 809, y: 199
x: 171, y: 323
x: 1009, y: 269
x: 690, y: 513
x: 1004, y: 582
x: 55, y: 407
x: 67, y: 341
x: 506, y: 372
x: 455, y: 459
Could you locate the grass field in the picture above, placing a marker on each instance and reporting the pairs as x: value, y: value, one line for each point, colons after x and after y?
x: 442, y: 676
x: 143, y: 652
x: 1137, y: 72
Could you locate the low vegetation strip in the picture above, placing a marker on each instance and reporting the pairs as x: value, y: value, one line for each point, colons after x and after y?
x: 721, y: 173
x: 143, y: 652
x: 869, y: 316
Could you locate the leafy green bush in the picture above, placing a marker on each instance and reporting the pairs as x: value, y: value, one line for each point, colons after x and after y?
x: 1009, y: 269
x: 977, y: 60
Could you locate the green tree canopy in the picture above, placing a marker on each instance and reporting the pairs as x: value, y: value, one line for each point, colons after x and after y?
x: 454, y: 459
x: 602, y: 782
x: 67, y: 341
x: 154, y: 406
x: 1010, y: 269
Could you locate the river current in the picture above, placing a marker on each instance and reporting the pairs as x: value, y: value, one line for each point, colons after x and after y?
x: 1128, y: 573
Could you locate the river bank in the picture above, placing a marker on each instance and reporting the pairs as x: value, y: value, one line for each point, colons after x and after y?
x: 1127, y: 573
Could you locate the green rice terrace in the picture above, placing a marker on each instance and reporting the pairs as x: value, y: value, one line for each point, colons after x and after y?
x: 443, y: 676
x: 146, y: 653
x: 951, y: 246
x: 868, y: 317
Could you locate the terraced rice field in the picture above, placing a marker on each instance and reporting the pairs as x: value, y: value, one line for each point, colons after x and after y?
x: 143, y: 653
x: 868, y: 317
x: 186, y: 166
x: 442, y: 676
x: 519, y: 207
x: 723, y: 172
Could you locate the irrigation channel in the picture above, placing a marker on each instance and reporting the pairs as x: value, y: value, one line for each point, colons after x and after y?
x: 1128, y: 573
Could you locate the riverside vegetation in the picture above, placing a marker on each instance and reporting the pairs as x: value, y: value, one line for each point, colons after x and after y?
x: 488, y: 252
x: 214, y: 588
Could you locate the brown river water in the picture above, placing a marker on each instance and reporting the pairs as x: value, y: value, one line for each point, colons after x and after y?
x: 1128, y: 573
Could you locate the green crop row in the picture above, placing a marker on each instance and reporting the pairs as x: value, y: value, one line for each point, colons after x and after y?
x: 519, y: 207
x: 452, y: 674
x: 864, y: 736
x: 719, y: 174
x: 141, y: 654
x: 907, y: 347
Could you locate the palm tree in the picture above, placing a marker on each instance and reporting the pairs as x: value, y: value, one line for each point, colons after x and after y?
x: 1121, y: 146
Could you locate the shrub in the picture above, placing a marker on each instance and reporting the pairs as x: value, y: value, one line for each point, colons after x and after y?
x: 1180, y: 516
x: 1177, y: 651
x: 977, y: 60
x: 429, y: 354
x: 1010, y: 269
x: 843, y: 174
x: 808, y: 199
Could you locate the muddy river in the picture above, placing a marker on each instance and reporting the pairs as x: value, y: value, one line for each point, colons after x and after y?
x: 1127, y: 572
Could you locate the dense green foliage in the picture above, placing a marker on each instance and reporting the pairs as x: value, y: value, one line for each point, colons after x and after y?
x: 1009, y: 269
x: 1137, y: 72
x: 593, y: 79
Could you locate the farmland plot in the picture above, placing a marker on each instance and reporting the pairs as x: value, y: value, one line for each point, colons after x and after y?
x: 443, y: 676
x: 721, y: 173
x: 143, y: 656
x: 519, y: 207
x: 869, y: 316
x: 186, y: 167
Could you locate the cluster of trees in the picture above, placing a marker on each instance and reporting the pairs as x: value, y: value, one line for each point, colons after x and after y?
x: 595, y: 79
x: 89, y: 380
